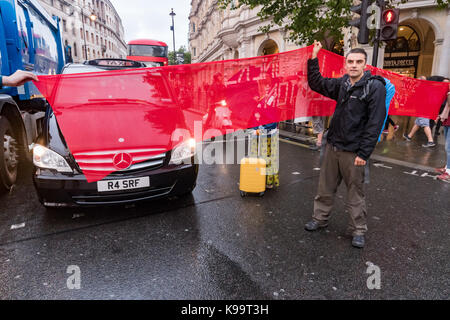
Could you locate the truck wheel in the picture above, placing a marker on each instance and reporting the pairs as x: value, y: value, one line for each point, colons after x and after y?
x: 9, y: 155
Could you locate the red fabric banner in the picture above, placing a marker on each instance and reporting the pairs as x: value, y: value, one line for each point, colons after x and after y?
x: 151, y: 110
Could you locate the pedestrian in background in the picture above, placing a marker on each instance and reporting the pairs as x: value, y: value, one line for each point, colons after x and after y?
x: 438, y: 121
x: 445, y: 118
x: 421, y: 123
x: 351, y: 138
x: 389, y: 121
x: 265, y: 144
x: 318, y: 128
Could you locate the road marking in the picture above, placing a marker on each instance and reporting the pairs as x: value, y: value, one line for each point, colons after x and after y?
x: 380, y: 165
x: 295, y: 143
x: 18, y: 226
x: 413, y: 166
x: 429, y: 175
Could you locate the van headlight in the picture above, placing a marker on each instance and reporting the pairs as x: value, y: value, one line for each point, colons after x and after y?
x: 183, y: 151
x: 48, y: 159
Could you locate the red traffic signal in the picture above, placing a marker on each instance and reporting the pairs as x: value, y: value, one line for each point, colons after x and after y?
x: 389, y: 24
x: 389, y: 16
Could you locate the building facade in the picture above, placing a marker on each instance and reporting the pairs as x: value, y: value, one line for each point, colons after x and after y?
x: 90, y: 28
x: 422, y: 47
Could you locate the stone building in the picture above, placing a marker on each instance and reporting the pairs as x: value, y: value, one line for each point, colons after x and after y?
x: 99, y: 34
x: 422, y: 47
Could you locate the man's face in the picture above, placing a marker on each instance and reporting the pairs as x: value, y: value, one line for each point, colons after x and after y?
x: 355, y: 63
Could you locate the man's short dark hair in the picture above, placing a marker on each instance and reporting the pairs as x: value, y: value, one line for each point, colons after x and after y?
x: 436, y: 78
x: 357, y: 50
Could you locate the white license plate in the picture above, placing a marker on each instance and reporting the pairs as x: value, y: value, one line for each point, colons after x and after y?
x: 123, y: 184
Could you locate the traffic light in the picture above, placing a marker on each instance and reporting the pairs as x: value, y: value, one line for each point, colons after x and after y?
x: 361, y: 22
x: 389, y: 24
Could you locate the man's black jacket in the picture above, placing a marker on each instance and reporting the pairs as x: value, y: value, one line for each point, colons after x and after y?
x: 358, y: 118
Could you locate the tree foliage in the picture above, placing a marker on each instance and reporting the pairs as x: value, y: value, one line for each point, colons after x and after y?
x: 306, y: 20
x: 183, y: 50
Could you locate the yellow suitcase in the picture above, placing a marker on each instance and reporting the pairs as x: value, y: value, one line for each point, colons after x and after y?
x: 253, y: 175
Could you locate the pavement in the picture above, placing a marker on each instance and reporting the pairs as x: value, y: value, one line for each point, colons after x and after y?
x: 395, y: 151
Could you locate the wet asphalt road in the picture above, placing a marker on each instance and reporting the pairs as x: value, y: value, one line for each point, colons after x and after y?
x: 217, y: 245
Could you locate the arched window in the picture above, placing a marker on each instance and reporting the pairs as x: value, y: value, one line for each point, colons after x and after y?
x: 407, y: 41
x: 268, y: 47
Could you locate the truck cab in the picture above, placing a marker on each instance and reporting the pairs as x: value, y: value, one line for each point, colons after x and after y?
x: 30, y: 39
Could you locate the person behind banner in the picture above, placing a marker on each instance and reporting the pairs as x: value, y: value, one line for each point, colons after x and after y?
x: 391, y: 122
x: 268, y: 136
x: 318, y: 128
x: 216, y: 98
x: 421, y: 123
x: 351, y: 138
x: 438, y: 123
x: 266, y: 111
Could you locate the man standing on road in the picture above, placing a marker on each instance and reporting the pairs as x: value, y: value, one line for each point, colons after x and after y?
x: 352, y: 136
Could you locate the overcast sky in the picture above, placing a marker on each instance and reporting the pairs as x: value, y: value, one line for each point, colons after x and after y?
x: 150, y: 19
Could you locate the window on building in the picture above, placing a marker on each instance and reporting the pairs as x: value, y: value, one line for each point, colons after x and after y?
x: 96, y: 40
x: 75, y: 51
x: 338, y: 47
x: 193, y: 27
x: 195, y: 51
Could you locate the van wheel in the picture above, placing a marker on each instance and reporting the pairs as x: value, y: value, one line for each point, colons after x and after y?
x: 243, y: 194
x: 9, y: 155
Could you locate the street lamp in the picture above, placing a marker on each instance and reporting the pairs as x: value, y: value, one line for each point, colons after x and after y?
x: 173, y: 31
x: 92, y: 16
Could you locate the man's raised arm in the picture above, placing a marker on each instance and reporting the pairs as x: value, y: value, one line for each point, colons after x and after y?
x: 328, y: 87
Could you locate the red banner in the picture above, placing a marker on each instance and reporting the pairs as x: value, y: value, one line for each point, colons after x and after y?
x: 154, y: 109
